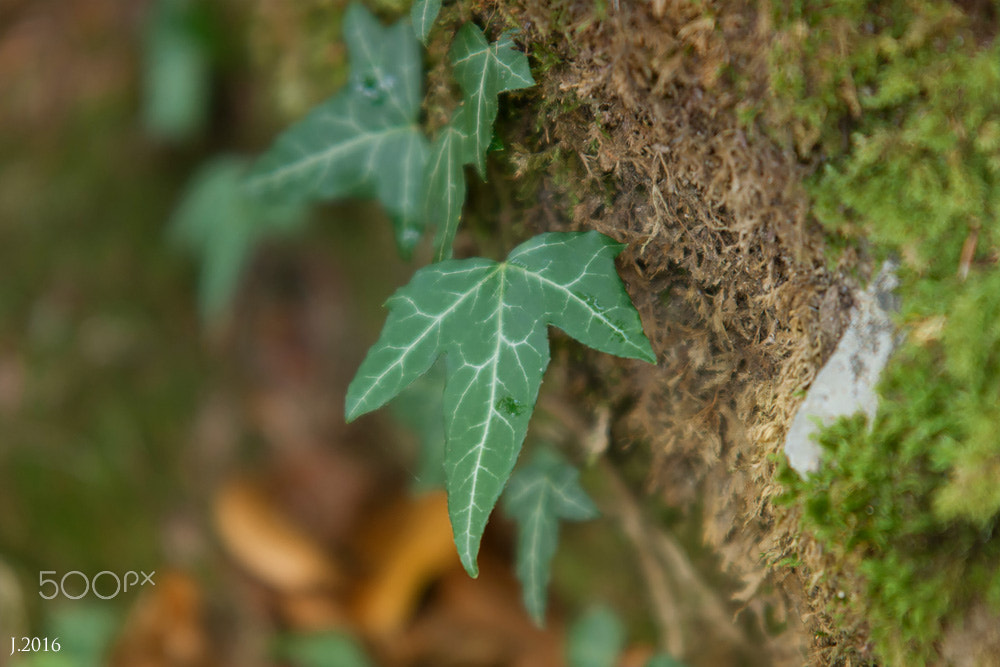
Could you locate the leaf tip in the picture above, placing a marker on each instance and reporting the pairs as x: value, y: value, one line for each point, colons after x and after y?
x: 537, y: 617
x: 352, y: 408
x: 648, y: 355
x: 470, y: 565
x: 468, y: 550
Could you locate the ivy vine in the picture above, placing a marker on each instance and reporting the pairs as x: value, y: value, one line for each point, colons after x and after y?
x: 487, y: 319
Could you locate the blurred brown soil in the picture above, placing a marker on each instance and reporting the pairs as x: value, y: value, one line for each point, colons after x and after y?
x: 56, y: 61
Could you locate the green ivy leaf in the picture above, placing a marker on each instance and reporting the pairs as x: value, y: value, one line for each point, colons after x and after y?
x: 219, y: 223
x: 537, y: 497
x: 489, y: 319
x: 364, y: 141
x: 322, y: 649
x: 445, y: 184
x: 176, y: 70
x: 596, y: 639
x: 484, y: 71
x: 423, y: 13
x: 664, y: 660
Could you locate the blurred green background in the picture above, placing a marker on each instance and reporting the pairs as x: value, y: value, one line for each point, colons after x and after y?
x: 106, y: 109
x: 100, y: 354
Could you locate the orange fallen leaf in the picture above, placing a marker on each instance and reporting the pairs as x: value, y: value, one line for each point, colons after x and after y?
x: 165, y: 627
x: 313, y: 612
x: 636, y: 656
x: 265, y: 542
x: 409, y: 545
x: 478, y: 623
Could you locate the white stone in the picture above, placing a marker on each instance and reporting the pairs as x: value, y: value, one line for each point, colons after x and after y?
x: 846, y: 384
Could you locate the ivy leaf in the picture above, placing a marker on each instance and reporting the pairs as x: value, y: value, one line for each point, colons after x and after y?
x: 364, y: 141
x: 176, y: 70
x: 219, y: 223
x: 423, y: 13
x: 87, y: 631
x: 489, y: 319
x: 664, y: 660
x: 537, y: 497
x: 319, y: 649
x: 596, y: 639
x: 445, y: 184
x: 484, y: 71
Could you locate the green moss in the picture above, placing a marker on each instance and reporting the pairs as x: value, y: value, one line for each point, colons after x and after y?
x: 899, y: 103
x: 874, y: 505
x: 896, y: 105
x: 972, y: 339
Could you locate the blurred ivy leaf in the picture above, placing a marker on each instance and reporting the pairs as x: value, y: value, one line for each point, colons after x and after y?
x: 84, y: 632
x: 596, y: 639
x: 423, y: 13
x: 664, y: 660
x: 364, y: 141
x: 539, y: 494
x: 221, y: 224
x: 418, y: 408
x: 490, y: 320
x: 322, y: 650
x: 445, y: 183
x: 176, y: 70
x: 483, y: 71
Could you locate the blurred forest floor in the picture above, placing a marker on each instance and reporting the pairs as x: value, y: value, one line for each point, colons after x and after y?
x: 132, y: 437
